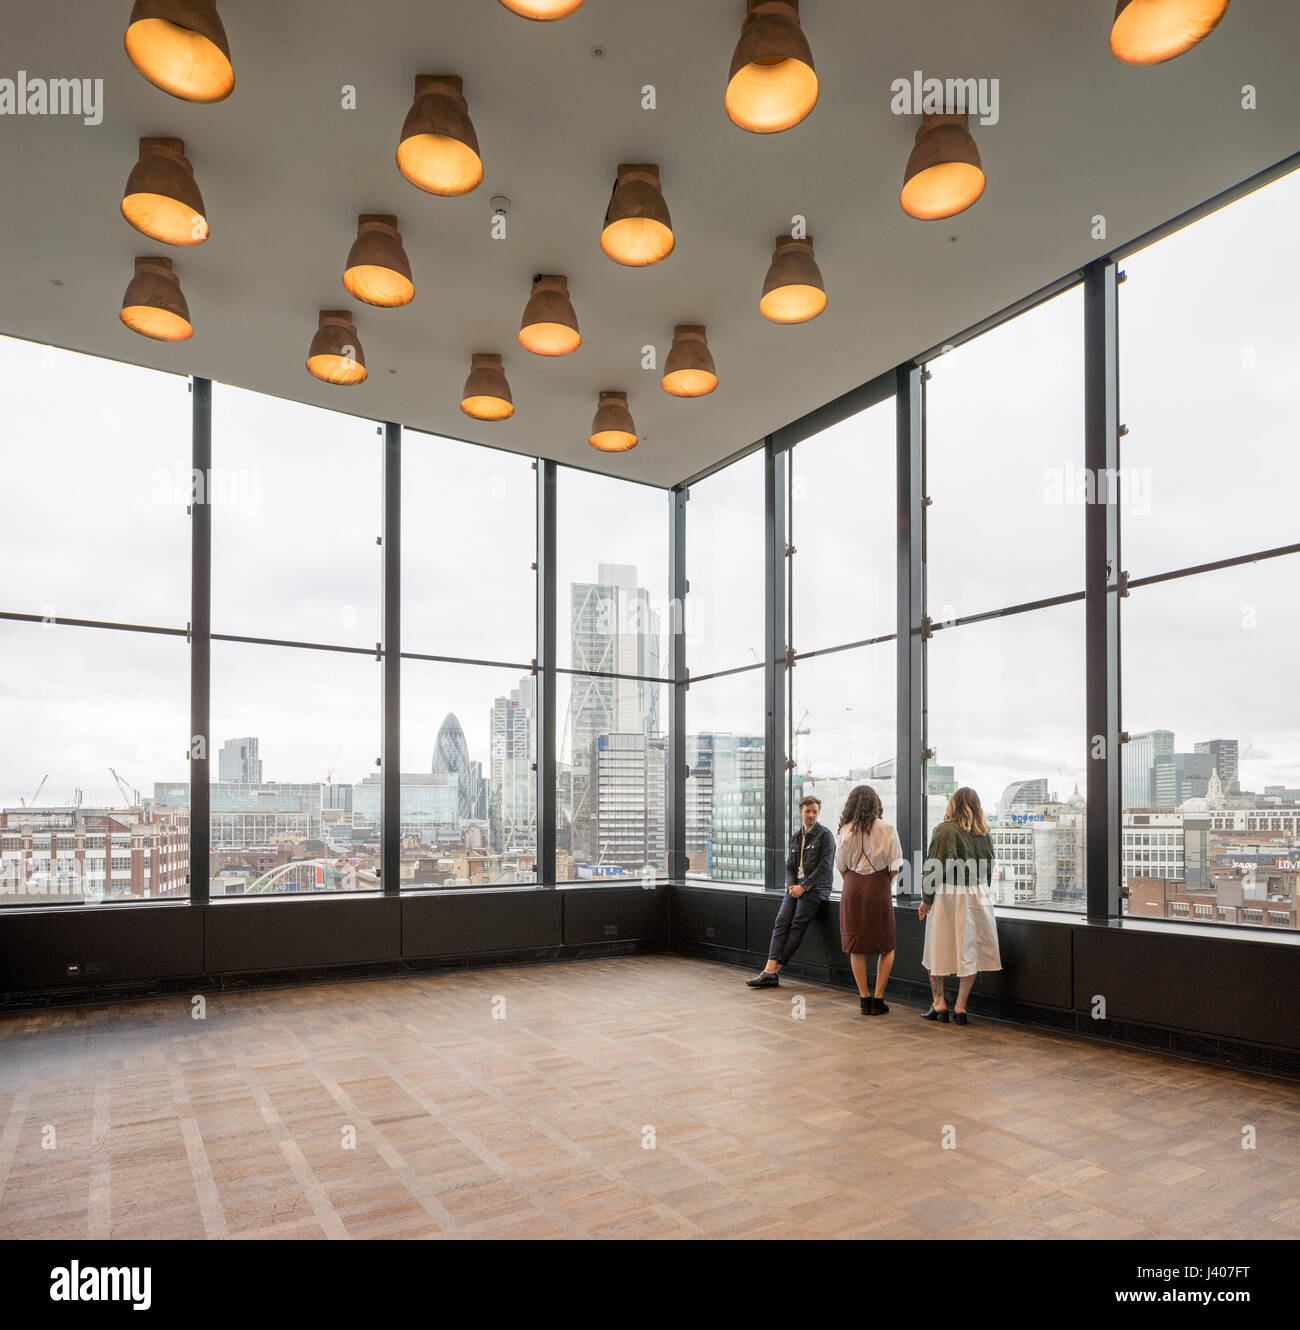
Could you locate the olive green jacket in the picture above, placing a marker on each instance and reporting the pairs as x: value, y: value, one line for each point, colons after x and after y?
x: 956, y: 857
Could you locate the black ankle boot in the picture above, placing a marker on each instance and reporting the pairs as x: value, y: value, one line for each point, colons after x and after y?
x: 864, y: 1005
x: 878, y: 1007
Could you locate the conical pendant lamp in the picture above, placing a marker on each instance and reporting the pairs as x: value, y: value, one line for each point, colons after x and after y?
x: 793, y: 291
x: 162, y: 198
x: 689, y: 370
x: 154, y: 305
x: 438, y: 150
x: 944, y: 173
x: 1148, y: 32
x: 772, y: 85
x: 181, y: 46
x: 612, y: 430
x: 335, y: 355
x: 549, y: 326
x: 542, y: 10
x: 638, y: 230
x: 377, y: 270
x: 487, y: 394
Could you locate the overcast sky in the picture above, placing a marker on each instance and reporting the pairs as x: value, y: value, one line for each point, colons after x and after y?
x: 95, y: 461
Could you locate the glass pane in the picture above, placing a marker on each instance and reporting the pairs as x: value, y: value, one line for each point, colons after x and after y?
x: 844, y: 529
x: 611, y: 772
x: 96, y: 466
x: 1211, y: 772
x: 1209, y: 390
x: 469, y: 791
x: 726, y: 788
x: 90, y: 721
x: 469, y: 541
x: 295, y: 737
x: 296, y: 517
x: 611, y: 575
x: 1007, y: 715
x: 1004, y: 464
x: 725, y: 562
x: 843, y: 713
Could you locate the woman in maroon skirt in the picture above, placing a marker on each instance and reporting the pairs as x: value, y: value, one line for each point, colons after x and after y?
x: 869, y: 856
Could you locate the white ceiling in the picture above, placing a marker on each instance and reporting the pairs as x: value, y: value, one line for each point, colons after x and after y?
x: 285, y: 171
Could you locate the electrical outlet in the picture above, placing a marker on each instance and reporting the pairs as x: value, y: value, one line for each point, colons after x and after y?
x: 611, y: 930
x: 74, y: 970
x: 95, y: 967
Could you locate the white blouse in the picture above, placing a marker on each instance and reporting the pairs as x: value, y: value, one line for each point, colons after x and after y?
x: 877, y: 850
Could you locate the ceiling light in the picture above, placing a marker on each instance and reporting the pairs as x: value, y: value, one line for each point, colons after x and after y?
x: 638, y: 230
x: 378, y: 270
x: 772, y: 84
x: 439, y: 149
x: 162, y: 198
x: 689, y: 370
x: 154, y: 305
x: 1146, y: 32
x: 487, y: 394
x: 542, y: 10
x: 549, y: 326
x: 793, y: 291
x: 612, y: 430
x: 335, y: 355
x: 944, y: 173
x: 180, y: 46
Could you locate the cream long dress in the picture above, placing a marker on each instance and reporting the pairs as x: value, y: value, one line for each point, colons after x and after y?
x: 961, y: 932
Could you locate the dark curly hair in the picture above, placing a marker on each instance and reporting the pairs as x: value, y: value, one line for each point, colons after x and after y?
x: 861, y: 809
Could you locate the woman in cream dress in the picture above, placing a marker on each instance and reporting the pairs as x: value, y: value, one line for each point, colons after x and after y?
x: 868, y: 854
x: 961, y: 933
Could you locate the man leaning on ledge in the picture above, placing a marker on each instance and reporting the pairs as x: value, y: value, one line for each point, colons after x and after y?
x: 809, y: 875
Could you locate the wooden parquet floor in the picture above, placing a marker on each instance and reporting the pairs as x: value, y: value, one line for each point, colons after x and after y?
x: 404, y: 1108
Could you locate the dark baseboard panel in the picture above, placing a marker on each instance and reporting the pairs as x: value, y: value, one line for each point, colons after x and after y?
x: 271, y: 979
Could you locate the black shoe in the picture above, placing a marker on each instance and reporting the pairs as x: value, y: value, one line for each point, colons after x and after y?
x: 933, y: 1015
x: 878, y: 1007
x: 959, y: 1018
x: 864, y: 1005
x: 764, y: 980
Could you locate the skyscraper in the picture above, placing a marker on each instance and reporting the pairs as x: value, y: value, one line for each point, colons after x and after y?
x: 612, y: 630
x: 238, y: 761
x: 451, y: 755
x: 1138, y: 762
x: 1224, y: 753
x: 512, y: 794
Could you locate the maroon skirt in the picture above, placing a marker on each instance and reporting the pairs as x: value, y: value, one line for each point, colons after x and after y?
x: 867, y: 914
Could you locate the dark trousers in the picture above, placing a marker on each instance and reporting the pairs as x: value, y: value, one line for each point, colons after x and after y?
x: 792, y: 921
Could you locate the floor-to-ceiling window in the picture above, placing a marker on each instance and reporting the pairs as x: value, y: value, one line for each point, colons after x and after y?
x: 94, y: 720
x: 469, y: 681
x: 1210, y: 541
x: 724, y: 625
x: 611, y: 711
x: 296, y: 727
x: 842, y: 710
x: 1006, y: 493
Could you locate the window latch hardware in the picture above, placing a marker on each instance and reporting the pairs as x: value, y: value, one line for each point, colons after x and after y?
x: 927, y: 628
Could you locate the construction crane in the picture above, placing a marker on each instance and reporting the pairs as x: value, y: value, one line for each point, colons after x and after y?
x: 800, y: 728
x: 129, y: 793
x: 329, y: 775
x: 27, y: 803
